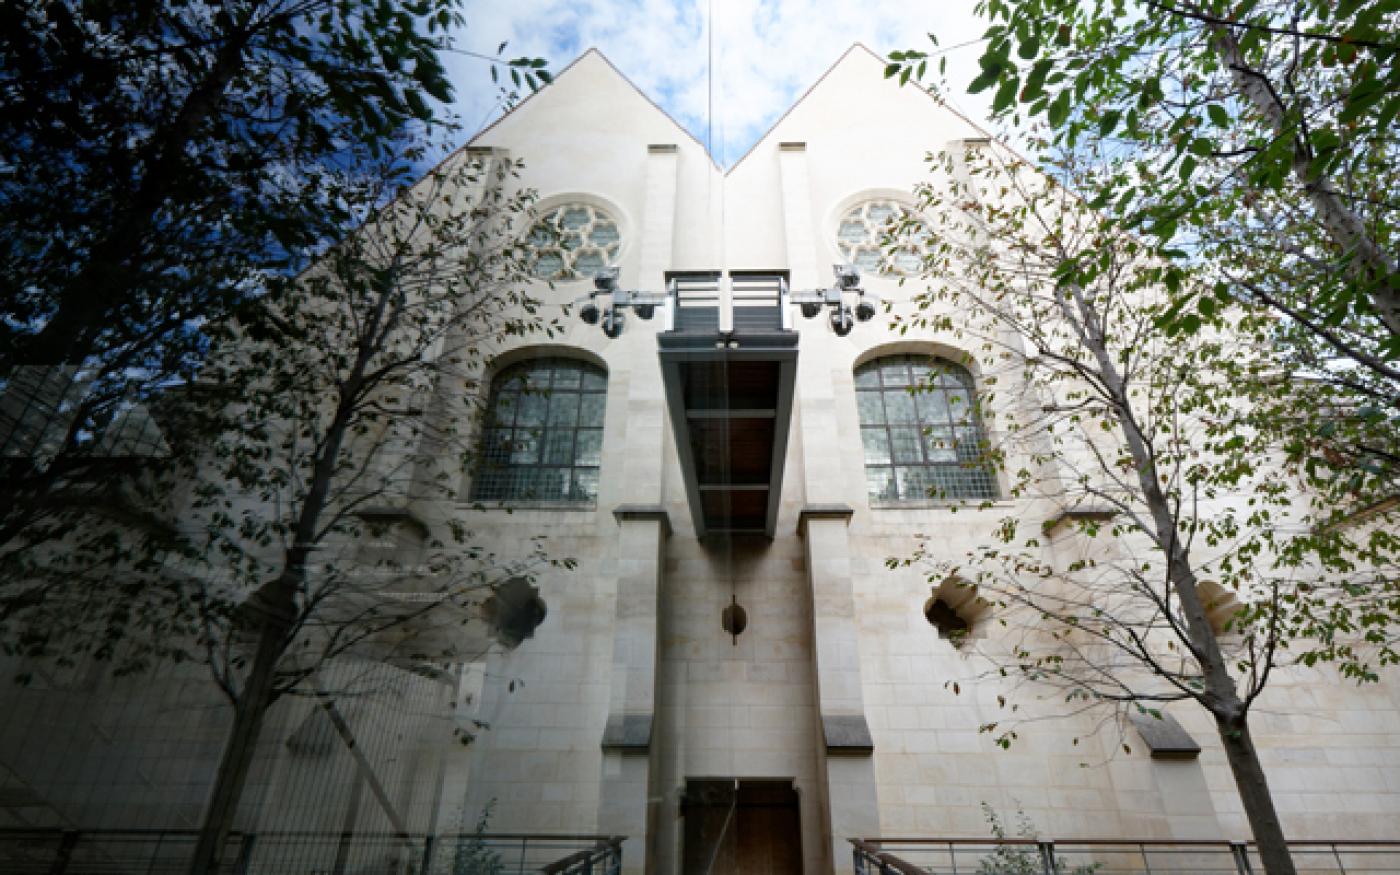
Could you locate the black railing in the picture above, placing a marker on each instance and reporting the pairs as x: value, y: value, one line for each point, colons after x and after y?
x: 695, y: 302
x: 759, y: 301
x: 1113, y: 857
x: 168, y: 852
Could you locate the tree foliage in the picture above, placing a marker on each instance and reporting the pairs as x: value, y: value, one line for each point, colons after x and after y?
x: 358, y: 392
x: 1163, y: 545
x: 1255, y: 140
x: 162, y: 167
x: 162, y: 159
x: 327, y: 503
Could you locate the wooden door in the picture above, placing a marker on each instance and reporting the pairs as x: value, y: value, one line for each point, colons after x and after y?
x: 746, y: 827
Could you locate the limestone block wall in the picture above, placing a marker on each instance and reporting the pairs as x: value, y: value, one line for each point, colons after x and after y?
x: 86, y: 750
x: 79, y: 747
x: 545, y: 704
x: 736, y: 708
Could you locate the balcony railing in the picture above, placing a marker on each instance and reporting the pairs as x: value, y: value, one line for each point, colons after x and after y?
x: 759, y: 302
x: 1113, y: 857
x: 695, y: 302
x: 755, y: 302
x: 168, y: 852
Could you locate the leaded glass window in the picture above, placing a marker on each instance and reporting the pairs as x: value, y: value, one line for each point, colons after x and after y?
x: 861, y: 233
x: 543, y: 439
x: 920, y: 431
x: 575, y: 241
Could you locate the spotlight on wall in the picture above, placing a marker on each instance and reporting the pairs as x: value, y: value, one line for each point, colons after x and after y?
x: 847, y: 277
x: 841, y: 321
x: 611, y: 310
x: 613, y: 322
x: 843, y: 316
x: 605, y: 280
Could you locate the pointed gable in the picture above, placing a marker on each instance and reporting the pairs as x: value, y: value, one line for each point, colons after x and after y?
x: 853, y: 96
x: 588, y: 97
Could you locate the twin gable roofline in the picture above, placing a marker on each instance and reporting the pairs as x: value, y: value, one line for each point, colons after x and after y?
x: 855, y: 46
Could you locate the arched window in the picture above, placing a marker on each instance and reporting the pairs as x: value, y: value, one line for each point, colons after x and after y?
x: 921, y: 434
x: 543, y: 439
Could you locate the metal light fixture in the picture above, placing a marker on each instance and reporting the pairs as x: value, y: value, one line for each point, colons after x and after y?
x: 615, y: 302
x: 841, y: 321
x: 734, y: 619
x: 613, y: 322
x: 843, y: 315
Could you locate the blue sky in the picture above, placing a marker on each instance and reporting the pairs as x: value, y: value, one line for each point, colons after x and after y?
x: 765, y: 52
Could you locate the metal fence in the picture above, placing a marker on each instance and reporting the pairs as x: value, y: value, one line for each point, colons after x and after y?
x: 167, y: 852
x: 1113, y: 857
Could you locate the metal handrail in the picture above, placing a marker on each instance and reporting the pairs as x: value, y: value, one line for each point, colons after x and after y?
x: 757, y: 300
x: 607, y: 854
x: 1125, y: 856
x: 741, y: 301
x: 695, y: 301
x: 57, y: 851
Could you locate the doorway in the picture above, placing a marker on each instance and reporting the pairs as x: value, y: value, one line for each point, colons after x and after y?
x: 741, y: 825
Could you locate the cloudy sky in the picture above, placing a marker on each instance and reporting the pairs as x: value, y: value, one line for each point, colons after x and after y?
x: 765, y: 52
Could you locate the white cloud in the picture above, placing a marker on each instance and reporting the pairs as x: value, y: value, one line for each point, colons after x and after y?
x: 765, y: 52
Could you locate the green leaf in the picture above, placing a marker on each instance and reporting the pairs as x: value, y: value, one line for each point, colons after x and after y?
x: 1035, y: 81
x: 984, y: 81
x: 1058, y: 110
x: 1006, y: 94
x: 417, y: 105
x: 1218, y: 115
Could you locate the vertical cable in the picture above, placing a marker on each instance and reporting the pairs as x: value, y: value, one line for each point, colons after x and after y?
x: 710, y: 81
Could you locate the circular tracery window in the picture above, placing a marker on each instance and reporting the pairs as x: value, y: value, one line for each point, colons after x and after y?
x: 575, y: 240
x: 862, y: 232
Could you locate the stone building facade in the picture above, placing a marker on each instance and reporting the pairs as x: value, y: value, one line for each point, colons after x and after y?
x: 772, y: 473
x: 836, y: 688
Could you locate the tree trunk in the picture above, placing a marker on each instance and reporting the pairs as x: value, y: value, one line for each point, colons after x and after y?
x: 1219, y: 692
x: 1338, y: 220
x: 275, y: 604
x: 1253, y: 788
x: 250, y: 708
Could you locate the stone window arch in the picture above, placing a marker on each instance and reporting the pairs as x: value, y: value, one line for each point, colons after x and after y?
x: 861, y: 233
x: 543, y: 440
x: 575, y: 240
x: 920, y: 431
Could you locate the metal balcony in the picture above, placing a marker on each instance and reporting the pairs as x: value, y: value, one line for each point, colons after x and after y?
x: 729, y: 362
